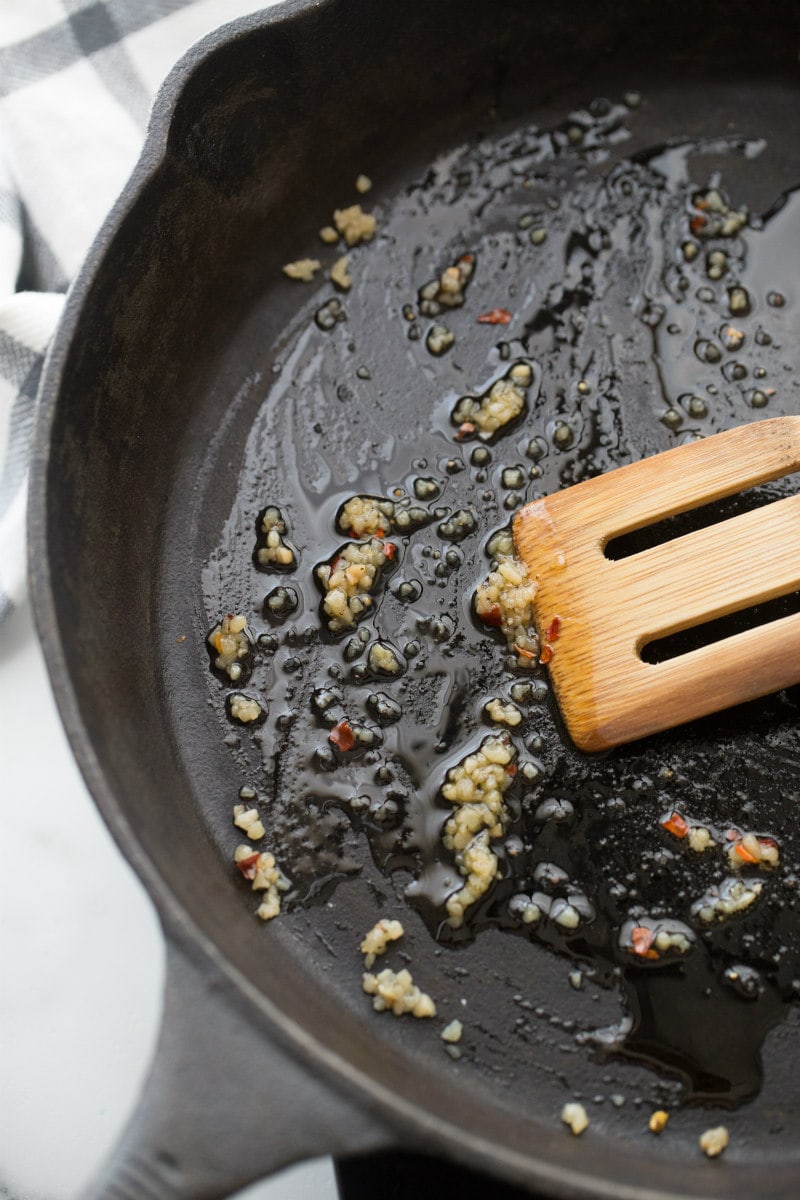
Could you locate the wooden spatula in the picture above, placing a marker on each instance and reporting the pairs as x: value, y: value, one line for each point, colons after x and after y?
x: 594, y: 614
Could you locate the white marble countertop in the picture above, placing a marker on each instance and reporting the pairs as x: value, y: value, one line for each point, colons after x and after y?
x: 83, y: 959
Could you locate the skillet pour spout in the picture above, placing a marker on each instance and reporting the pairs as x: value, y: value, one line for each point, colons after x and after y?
x: 191, y: 385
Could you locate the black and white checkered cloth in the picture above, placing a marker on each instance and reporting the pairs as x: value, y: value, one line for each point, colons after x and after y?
x: 77, y: 78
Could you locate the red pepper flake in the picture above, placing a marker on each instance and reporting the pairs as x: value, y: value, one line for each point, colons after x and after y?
x: 676, y: 825
x: 745, y: 854
x: 249, y: 865
x: 553, y: 630
x: 642, y: 940
x: 522, y: 652
x: 335, y: 562
x: 511, y: 769
x: 467, y: 258
x: 465, y: 430
x: 496, y: 316
x: 342, y: 736
x: 698, y: 222
x: 389, y: 549
x: 546, y: 654
x: 493, y: 616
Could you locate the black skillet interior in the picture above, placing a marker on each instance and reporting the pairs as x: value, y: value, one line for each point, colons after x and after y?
x: 161, y: 451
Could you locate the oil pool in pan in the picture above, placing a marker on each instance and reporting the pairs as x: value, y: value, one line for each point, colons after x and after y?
x: 637, y: 303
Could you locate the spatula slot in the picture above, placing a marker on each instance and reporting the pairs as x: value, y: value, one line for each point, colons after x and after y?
x: 666, y: 530
x: 676, y: 644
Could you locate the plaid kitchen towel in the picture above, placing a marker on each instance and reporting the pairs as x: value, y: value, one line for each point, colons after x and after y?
x: 77, y: 78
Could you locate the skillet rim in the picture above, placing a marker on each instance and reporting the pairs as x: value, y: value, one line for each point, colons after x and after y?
x: 179, y: 923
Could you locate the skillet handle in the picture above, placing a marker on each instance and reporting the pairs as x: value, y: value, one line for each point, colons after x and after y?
x: 223, y: 1105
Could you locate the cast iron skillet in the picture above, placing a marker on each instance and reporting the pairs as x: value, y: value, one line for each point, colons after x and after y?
x: 269, y: 1051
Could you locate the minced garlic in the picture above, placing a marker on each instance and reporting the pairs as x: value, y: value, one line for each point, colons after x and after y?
x: 501, y: 544
x: 448, y: 291
x: 751, y: 850
x: 354, y: 224
x: 244, y: 709
x: 699, y: 839
x: 348, y: 580
x: 718, y: 218
x: 340, y: 275
x: 276, y: 552
x: 378, y: 938
x: 478, y: 863
x: 397, y: 992
x: 673, y: 939
x: 476, y: 786
x: 526, y: 908
x: 502, y: 404
x: 727, y: 898
x: 714, y: 1141
x: 503, y: 712
x: 362, y: 516
x: 248, y: 819
x: 303, y: 269
x: 574, y: 1116
x: 265, y: 876
x: 565, y: 914
x: 505, y: 599
x: 229, y: 639
x: 270, y: 906
x: 439, y: 340
x: 452, y: 1032
x: 383, y: 659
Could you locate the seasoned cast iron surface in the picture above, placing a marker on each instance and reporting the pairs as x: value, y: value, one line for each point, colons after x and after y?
x: 579, y: 230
